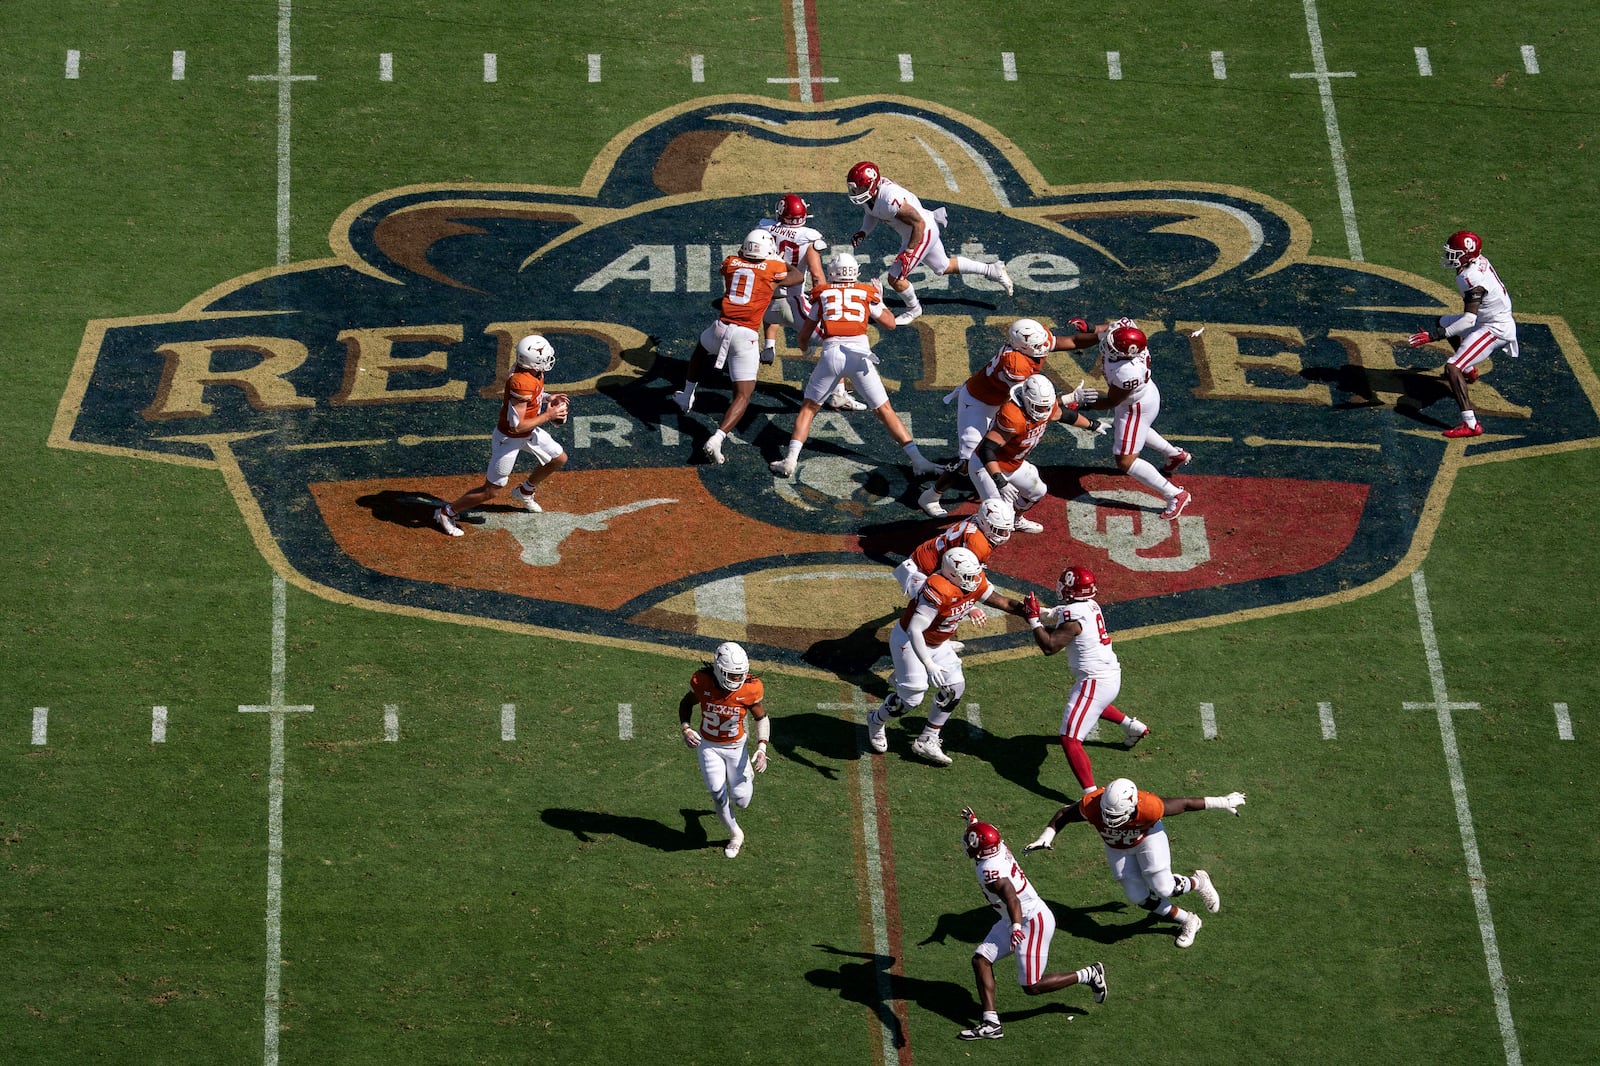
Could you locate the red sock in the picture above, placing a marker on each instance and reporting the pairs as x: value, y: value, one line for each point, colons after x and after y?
x: 1112, y: 715
x: 1078, y: 759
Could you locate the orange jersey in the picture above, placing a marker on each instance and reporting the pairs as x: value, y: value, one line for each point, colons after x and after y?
x: 748, y: 288
x: 1009, y: 368
x: 1146, y: 813
x: 962, y: 534
x: 722, y: 713
x: 950, y: 606
x: 1021, y: 433
x: 523, y: 390
x: 845, y: 310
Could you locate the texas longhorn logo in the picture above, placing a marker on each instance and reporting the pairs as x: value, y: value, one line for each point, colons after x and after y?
x: 344, y: 398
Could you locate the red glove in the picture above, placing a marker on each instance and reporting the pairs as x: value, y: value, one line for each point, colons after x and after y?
x: 1017, y: 937
x: 967, y: 813
x: 905, y: 260
x: 1080, y: 324
x: 1419, y: 339
x: 1030, y: 607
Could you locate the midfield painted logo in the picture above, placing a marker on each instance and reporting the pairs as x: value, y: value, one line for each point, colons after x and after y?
x: 342, y: 398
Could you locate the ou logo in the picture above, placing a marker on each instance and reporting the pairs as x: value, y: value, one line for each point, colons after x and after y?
x: 1127, y: 537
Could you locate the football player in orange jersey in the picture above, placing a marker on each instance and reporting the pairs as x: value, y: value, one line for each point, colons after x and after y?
x: 979, y: 533
x: 840, y: 312
x: 749, y: 281
x: 524, y: 412
x: 726, y: 694
x: 981, y: 396
x: 1130, y: 825
x: 922, y: 650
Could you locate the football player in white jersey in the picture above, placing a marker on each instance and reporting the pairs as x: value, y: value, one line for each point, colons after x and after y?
x: 1482, y: 327
x: 882, y: 200
x: 1135, y: 402
x: 801, y: 246
x: 1025, y: 928
x: 1079, y: 627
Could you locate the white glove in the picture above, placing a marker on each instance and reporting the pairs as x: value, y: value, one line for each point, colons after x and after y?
x: 1230, y: 803
x: 760, y: 761
x: 1102, y: 426
x: 1008, y: 493
x: 1084, y: 395
x: 978, y: 616
x: 1042, y: 844
x: 942, y: 676
x: 691, y: 737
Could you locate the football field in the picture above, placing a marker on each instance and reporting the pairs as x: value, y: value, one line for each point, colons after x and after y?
x: 287, y: 776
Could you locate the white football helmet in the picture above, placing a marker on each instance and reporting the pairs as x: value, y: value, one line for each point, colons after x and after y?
x: 843, y: 269
x: 1029, y: 336
x: 997, y: 519
x: 758, y: 244
x: 535, y: 353
x: 1036, y: 396
x: 1118, y: 802
x: 730, y: 666
x: 961, y: 568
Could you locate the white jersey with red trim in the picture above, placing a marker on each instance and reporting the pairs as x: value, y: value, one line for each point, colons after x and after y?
x: 886, y: 203
x: 1494, y: 309
x: 1089, y: 654
x: 1003, y: 867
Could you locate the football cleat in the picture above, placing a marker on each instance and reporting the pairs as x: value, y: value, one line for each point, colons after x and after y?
x: 908, y: 316
x: 929, y: 502
x: 1191, y: 926
x: 1176, y: 505
x: 445, y: 522
x: 841, y: 400
x: 1003, y: 276
x: 683, y: 400
x: 735, y: 844
x: 1171, y: 465
x: 1470, y: 376
x: 1133, y: 731
x: 983, y: 1031
x: 1464, y: 430
x: 1097, y: 981
x: 930, y: 748
x: 1028, y: 525
x: 525, y: 500
x: 1208, y: 891
x: 783, y: 467
x: 713, y: 451
x: 877, y: 738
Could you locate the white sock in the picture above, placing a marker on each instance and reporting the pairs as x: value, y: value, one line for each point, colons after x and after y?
x: 1147, y: 475
x: 1469, y: 418
x: 912, y: 450
x: 910, y: 298
x: 688, y: 389
x: 794, y: 448
x: 716, y: 438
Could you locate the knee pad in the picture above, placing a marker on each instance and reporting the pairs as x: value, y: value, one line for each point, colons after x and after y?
x: 946, y: 698
x: 893, y: 705
x: 1152, y: 903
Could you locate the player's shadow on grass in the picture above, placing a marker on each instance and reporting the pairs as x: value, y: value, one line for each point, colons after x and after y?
x: 414, y: 510
x: 1072, y: 924
x: 588, y: 826
x: 826, y: 735
x: 1415, y: 390
x: 871, y: 982
x: 1020, y: 759
x: 852, y: 657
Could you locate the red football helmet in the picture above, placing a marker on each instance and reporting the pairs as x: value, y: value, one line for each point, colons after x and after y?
x: 1077, y: 583
x: 1462, y: 248
x: 792, y: 211
x: 981, y: 840
x: 862, y: 181
x: 1123, y: 341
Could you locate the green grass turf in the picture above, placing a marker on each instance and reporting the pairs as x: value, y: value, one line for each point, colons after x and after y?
x: 454, y: 897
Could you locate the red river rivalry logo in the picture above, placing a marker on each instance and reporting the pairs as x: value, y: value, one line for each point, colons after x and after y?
x: 343, y: 398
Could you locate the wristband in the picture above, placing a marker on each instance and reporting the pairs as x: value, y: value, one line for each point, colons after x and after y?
x: 1034, y: 623
x: 1016, y: 927
x: 1216, y: 803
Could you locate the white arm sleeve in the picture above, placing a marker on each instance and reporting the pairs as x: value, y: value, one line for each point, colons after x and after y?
x: 921, y: 619
x: 1455, y: 325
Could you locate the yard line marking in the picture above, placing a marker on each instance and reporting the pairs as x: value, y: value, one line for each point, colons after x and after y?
x: 1325, y: 712
x: 391, y: 722
x: 491, y: 66
x: 697, y: 68
x: 72, y: 64
x: 1114, y: 65
x: 386, y: 66
x: 508, y: 721
x: 158, y: 725
x: 1469, y: 838
x: 594, y: 66
x: 974, y: 719
x: 807, y: 58
x: 905, y: 67
x: 938, y: 161
x: 1208, y: 721
x: 41, y: 724
x: 1008, y: 65
x: 180, y: 60
x: 624, y: 721
x: 1563, y: 722
x: 1424, y: 65
x: 1530, y: 59
x: 284, y: 79
x: 1219, y: 66
x: 1321, y: 73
